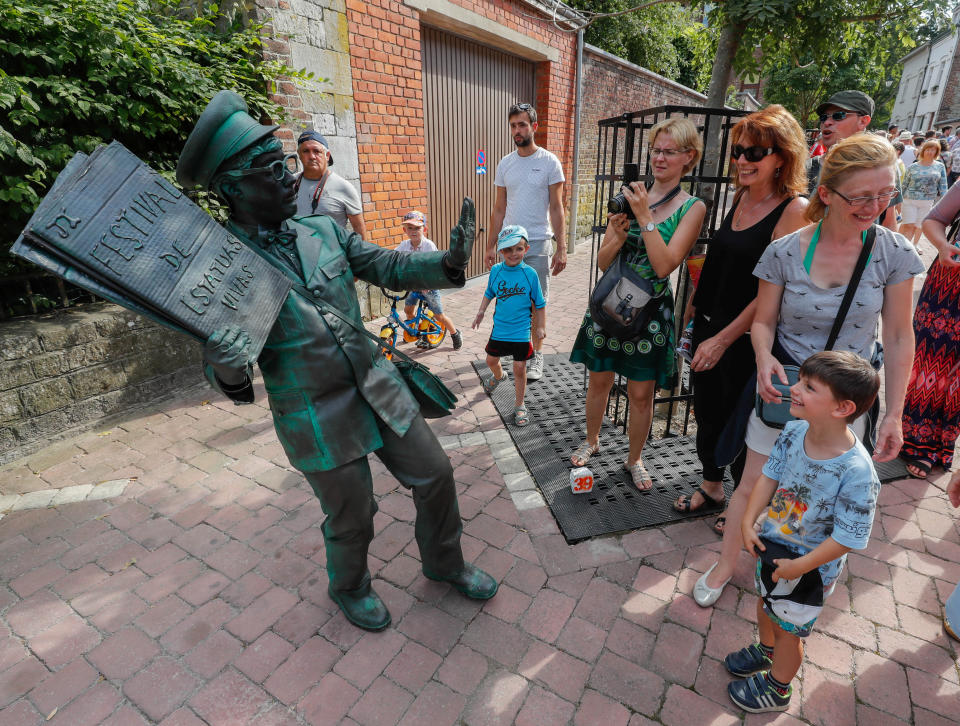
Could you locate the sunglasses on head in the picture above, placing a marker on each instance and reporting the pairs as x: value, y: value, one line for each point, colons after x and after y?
x: 836, y: 115
x: 753, y: 153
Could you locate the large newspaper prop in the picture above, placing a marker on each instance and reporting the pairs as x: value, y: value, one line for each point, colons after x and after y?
x: 116, y: 228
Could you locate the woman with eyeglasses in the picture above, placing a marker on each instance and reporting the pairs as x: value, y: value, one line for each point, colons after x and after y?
x: 769, y: 153
x: 924, y: 182
x: 666, y: 226
x: 802, y: 280
x: 931, y: 413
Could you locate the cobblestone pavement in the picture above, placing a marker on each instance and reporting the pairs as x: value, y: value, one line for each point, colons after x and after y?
x: 169, y: 569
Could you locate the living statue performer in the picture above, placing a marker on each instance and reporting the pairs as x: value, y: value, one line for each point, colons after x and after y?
x: 335, y: 399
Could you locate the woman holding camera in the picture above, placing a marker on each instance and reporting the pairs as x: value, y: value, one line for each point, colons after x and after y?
x: 666, y: 226
x: 769, y: 153
x: 803, y: 278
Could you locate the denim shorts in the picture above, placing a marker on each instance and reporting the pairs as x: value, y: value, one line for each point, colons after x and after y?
x: 431, y: 299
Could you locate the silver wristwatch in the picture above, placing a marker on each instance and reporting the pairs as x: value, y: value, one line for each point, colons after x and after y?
x: 649, y: 226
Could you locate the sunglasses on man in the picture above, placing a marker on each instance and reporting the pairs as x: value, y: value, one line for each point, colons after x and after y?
x: 753, y: 153
x: 836, y: 115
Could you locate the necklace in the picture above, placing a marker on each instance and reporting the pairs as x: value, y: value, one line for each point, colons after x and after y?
x: 753, y: 207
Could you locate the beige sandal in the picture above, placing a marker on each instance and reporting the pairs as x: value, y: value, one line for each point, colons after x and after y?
x: 583, y: 453
x: 639, y: 475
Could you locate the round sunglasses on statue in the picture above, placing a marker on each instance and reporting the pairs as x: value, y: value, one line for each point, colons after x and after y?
x: 289, y: 163
x: 753, y: 153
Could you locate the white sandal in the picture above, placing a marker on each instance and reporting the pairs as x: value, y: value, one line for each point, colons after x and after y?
x: 583, y: 453
x: 703, y: 594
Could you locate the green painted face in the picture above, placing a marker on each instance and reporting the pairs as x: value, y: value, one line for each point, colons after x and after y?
x: 260, y: 197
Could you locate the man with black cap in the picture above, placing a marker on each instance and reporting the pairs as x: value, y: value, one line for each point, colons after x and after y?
x: 335, y: 399
x: 842, y: 115
x: 323, y: 191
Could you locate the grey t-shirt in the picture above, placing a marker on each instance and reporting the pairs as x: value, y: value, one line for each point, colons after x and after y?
x: 339, y: 199
x: 807, y: 312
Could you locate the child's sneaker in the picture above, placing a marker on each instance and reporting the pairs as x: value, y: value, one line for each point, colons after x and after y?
x: 757, y: 695
x: 457, y: 339
x: 747, y: 661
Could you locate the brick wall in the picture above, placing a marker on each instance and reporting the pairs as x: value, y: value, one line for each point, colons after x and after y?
x: 384, y: 38
x: 613, y: 86
x: 64, y: 371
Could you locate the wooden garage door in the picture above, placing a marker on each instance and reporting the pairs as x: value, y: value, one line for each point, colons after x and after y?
x: 467, y: 89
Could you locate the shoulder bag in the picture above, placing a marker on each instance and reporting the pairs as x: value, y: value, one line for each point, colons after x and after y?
x: 777, y: 415
x: 623, y: 300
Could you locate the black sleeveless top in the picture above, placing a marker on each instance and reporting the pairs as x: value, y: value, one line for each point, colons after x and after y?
x: 727, y: 284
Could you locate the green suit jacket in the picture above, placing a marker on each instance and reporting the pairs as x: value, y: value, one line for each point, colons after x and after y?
x: 327, y: 385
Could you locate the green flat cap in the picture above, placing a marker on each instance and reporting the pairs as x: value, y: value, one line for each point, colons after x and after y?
x: 223, y: 129
x: 856, y: 101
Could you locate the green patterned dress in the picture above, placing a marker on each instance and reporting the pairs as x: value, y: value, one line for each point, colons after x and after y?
x: 652, y: 356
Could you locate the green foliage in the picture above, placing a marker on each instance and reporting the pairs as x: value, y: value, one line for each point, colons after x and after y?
x: 662, y: 38
x: 78, y: 73
x: 869, y: 63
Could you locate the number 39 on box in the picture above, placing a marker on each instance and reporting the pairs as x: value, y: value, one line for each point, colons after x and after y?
x: 581, y: 480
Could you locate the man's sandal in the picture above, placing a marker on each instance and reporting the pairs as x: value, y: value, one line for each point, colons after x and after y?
x: 582, y: 455
x: 640, y: 476
x: 709, y: 504
x: 520, y: 416
x: 492, y: 382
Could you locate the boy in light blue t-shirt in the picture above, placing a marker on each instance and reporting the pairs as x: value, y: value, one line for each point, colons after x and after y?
x: 516, y: 288
x: 820, y: 491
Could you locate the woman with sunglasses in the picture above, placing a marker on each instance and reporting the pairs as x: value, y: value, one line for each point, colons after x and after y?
x: 769, y: 154
x: 802, y: 279
x: 931, y: 413
x: 666, y: 226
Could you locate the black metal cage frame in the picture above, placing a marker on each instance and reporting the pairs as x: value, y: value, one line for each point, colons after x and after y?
x: 624, y: 139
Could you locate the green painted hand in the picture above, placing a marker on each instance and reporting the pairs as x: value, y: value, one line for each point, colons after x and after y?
x: 227, y: 351
x: 462, y: 236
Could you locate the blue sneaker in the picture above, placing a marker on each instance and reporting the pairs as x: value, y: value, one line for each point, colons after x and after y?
x: 756, y: 695
x: 747, y: 661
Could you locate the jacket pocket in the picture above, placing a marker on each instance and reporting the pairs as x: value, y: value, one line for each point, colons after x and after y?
x: 293, y: 419
x: 335, y: 267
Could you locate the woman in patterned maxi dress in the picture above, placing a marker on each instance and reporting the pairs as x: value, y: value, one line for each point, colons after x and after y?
x: 931, y: 411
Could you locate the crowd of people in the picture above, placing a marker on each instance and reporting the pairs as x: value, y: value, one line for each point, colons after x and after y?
x: 806, y: 294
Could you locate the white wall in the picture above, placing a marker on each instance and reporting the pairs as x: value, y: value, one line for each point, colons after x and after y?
x: 922, y: 83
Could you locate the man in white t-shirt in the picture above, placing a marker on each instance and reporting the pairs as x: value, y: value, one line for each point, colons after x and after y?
x: 321, y: 191
x: 529, y: 193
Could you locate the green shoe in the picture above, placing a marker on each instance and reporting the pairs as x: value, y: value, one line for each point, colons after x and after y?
x: 471, y: 581
x: 365, y: 611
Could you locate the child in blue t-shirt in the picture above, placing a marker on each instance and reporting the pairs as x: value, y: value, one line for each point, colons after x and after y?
x: 516, y: 288
x: 820, y: 491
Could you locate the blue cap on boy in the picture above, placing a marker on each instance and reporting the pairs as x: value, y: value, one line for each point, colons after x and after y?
x: 510, y: 235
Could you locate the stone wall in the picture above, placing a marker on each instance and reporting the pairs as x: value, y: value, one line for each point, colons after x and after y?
x: 312, y: 35
x: 612, y: 86
x: 62, y: 372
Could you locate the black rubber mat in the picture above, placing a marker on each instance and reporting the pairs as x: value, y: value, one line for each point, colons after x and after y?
x: 891, y: 470
x: 557, y: 426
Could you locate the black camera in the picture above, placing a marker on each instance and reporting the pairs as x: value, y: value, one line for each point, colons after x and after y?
x: 619, y: 204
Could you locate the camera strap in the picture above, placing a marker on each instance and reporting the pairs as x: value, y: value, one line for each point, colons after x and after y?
x: 666, y: 198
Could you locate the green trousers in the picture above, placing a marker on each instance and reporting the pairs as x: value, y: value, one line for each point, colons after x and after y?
x: 346, y: 495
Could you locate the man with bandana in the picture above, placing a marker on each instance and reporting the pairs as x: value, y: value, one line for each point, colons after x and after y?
x: 321, y: 190
x: 335, y: 399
